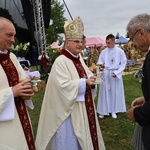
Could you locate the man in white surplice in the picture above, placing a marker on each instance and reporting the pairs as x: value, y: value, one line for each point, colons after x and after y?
x: 13, y: 87
x: 111, y: 93
x: 64, y: 119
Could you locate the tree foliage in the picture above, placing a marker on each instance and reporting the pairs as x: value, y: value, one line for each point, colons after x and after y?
x: 5, y: 13
x: 56, y: 22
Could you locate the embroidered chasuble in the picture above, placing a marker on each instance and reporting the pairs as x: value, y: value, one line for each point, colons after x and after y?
x: 88, y: 99
x: 13, y: 79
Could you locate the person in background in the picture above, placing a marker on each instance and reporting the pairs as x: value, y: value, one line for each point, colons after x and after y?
x: 111, y: 98
x: 15, y: 127
x: 68, y: 120
x: 83, y: 45
x: 43, y: 62
x: 139, y: 32
x: 120, y: 45
x: 93, y: 56
x: 84, y: 42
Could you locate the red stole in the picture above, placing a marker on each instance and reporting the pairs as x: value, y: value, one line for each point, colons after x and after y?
x: 88, y: 99
x: 13, y: 79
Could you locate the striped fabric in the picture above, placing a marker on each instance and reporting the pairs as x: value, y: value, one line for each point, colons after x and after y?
x: 137, y: 138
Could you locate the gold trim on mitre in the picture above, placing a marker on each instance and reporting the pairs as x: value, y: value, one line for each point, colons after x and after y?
x: 74, y: 29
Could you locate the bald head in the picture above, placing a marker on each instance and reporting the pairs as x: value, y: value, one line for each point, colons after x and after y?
x: 3, y: 21
x: 7, y: 33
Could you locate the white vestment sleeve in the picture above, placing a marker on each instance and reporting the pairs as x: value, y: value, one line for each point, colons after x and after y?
x: 8, y: 112
x: 123, y: 63
x: 82, y: 89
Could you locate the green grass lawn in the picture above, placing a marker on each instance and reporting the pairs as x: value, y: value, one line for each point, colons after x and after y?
x: 117, y: 133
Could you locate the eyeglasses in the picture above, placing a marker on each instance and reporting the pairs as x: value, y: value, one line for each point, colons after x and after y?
x: 131, y: 39
x: 76, y: 41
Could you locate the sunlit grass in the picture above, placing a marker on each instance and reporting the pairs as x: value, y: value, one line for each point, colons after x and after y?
x: 117, y: 133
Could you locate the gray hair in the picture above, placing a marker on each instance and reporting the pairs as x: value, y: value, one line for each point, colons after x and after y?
x: 141, y: 20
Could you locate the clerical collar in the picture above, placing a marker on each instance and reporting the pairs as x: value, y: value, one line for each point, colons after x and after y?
x: 4, y: 55
x: 3, y: 52
x: 70, y: 55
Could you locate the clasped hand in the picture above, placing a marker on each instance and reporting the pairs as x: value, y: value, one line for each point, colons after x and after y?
x: 23, y: 88
x: 91, y: 80
x: 135, y: 103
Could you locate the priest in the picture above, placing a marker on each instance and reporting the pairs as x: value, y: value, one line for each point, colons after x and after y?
x: 68, y: 119
x: 15, y: 127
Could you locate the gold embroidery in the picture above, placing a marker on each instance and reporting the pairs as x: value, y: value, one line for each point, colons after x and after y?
x: 13, y: 79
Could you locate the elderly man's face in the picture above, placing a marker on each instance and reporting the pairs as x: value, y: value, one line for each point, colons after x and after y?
x: 7, y: 33
x: 139, y: 38
x: 74, y: 46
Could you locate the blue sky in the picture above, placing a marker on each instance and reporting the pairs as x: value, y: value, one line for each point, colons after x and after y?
x: 102, y: 17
